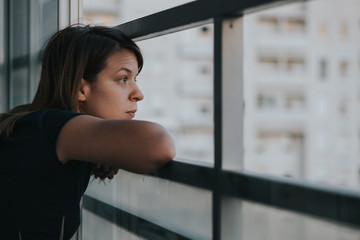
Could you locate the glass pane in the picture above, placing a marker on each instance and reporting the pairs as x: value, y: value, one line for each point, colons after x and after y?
x: 115, y: 12
x: 178, y: 89
x: 3, y: 77
x: 177, y: 83
x: 252, y: 221
x: 176, y: 207
x: 44, y: 22
x: 19, y: 50
x: 103, y: 229
x: 30, y: 26
x: 302, y: 91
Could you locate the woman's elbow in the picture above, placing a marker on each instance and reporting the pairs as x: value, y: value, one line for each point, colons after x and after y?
x: 169, y: 148
x: 164, y: 150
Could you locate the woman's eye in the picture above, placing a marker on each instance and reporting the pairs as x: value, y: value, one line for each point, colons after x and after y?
x: 123, y: 79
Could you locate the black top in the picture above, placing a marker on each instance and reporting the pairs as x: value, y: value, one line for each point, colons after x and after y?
x: 38, y: 192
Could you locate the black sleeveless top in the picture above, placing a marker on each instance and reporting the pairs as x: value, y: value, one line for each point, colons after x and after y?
x: 39, y: 195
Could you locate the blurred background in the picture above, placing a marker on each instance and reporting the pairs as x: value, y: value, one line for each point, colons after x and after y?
x: 301, y: 68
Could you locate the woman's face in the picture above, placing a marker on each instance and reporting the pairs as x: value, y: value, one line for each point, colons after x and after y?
x: 114, y: 94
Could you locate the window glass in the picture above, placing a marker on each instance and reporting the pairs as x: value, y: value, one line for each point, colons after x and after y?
x: 177, y: 78
x: 3, y: 77
x: 301, y: 88
x: 115, y: 12
x: 249, y: 220
x: 19, y: 52
x: 30, y: 26
x: 182, y: 209
x: 95, y: 228
x: 177, y: 85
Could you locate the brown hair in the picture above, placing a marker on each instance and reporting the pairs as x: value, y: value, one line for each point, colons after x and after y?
x: 71, y: 54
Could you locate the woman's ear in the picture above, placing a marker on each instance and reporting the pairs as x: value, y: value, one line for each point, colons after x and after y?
x: 83, y: 90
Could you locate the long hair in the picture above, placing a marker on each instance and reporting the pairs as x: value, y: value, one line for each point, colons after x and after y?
x: 71, y: 54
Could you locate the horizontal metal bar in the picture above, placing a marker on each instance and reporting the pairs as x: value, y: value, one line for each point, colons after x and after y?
x: 330, y: 202
x: 195, y: 174
x: 137, y: 225
x: 190, y: 15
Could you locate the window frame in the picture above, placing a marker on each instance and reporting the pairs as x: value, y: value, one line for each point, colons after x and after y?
x: 227, y: 179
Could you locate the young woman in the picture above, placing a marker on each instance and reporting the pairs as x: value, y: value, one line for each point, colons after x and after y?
x: 78, y: 124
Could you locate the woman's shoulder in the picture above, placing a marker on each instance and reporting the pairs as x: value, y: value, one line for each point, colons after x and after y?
x: 49, y: 114
x: 46, y: 121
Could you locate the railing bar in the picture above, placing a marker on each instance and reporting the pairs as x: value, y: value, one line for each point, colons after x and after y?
x: 330, y: 202
x: 186, y: 173
x: 317, y: 201
x: 191, y: 14
x: 175, y: 169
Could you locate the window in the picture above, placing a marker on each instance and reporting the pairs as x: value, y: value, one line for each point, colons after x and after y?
x: 282, y: 141
x: 343, y: 68
x: 204, y: 69
x: 294, y: 101
x: 344, y: 31
x: 268, y: 62
x: 323, y: 69
x: 323, y: 31
x: 295, y: 25
x: 267, y: 100
x: 270, y: 22
x: 294, y: 63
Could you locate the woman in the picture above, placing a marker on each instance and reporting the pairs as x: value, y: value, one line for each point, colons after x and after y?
x: 79, y: 123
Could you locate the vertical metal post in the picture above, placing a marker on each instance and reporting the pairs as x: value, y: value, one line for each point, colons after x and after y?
x: 232, y: 89
x: 232, y: 119
x: 70, y: 12
x: 216, y: 214
x: 228, y: 98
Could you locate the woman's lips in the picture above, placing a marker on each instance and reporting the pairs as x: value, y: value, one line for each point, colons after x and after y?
x: 131, y: 113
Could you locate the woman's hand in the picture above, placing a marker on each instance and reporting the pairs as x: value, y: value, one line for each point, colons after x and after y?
x: 104, y: 171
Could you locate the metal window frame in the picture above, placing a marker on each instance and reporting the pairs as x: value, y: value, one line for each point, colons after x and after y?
x: 69, y: 12
x: 329, y: 203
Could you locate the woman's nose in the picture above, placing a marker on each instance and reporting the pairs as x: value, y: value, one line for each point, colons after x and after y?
x: 137, y: 94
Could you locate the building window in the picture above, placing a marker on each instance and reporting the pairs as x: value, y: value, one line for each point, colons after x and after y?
x: 205, y: 69
x: 270, y: 22
x: 268, y: 62
x: 343, y: 68
x: 267, y: 100
x: 295, y: 25
x: 343, y: 106
x: 323, y: 31
x: 294, y: 63
x: 344, y: 32
x: 323, y: 69
x: 294, y: 101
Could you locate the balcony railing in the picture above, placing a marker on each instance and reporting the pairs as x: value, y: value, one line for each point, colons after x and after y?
x: 329, y: 204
